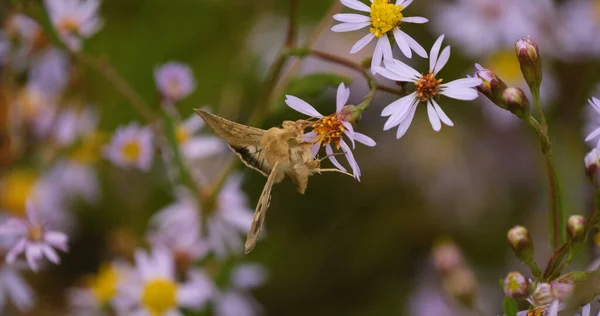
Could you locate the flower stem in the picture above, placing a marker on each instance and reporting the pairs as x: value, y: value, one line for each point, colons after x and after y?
x: 556, y: 215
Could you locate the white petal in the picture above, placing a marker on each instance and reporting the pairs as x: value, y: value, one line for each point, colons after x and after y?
x: 57, y: 239
x: 348, y: 27
x: 50, y: 254
x: 202, y: 146
x: 352, y: 18
x: 401, y: 42
x: 460, y: 93
x: 385, y: 72
x: 342, y: 97
x: 301, y: 106
x: 364, y: 139
x: 404, y: 3
x: 314, y: 150
x: 379, y: 53
x: 33, y: 253
x: 433, y: 118
x: 593, y: 134
x: 351, y: 160
x: 403, y: 69
x: 435, y: 50
x: 463, y: 83
x: 441, y: 114
x: 441, y: 62
x: 595, y: 103
x: 349, y: 132
x: 16, y: 250
x: 414, y: 45
x: 334, y: 161
x: 362, y: 43
x: 553, y: 310
x: 403, y: 127
x: 356, y: 5
x: 387, y: 49
x: 585, y: 311
x: 414, y: 19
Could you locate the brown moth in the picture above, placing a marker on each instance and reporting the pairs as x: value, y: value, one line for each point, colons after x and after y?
x: 275, y: 153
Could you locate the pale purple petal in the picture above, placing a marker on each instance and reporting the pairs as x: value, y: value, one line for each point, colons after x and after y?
x: 401, y: 42
x: 57, y: 239
x: 463, y: 83
x: 404, y: 3
x: 50, y: 254
x: 364, y: 139
x: 442, y: 60
x: 348, y: 27
x: 33, y: 253
x: 15, y: 251
x: 435, y: 50
x: 309, y: 137
x: 414, y: 19
x: 334, y: 161
x: 585, y: 311
x: 380, y: 50
x: 349, y: 132
x: 465, y: 94
x: 361, y: 43
x: 351, y: 18
x: 343, y: 94
x: 314, y: 150
x: 32, y: 212
x: 356, y: 5
x: 351, y: 160
x: 593, y: 134
x: 403, y: 69
x: 405, y: 124
x: 414, y: 45
x: 433, y: 118
x: 301, y: 106
x: 441, y: 114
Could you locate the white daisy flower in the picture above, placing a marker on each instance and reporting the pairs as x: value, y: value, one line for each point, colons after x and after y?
x: 328, y: 130
x: 236, y: 299
x: 174, y: 81
x: 595, y: 103
x: 427, y: 88
x: 101, y: 290
x: 14, y: 288
x: 384, y: 22
x: 74, y: 20
x: 194, y: 146
x: 131, y: 147
x: 154, y: 289
x: 33, y: 239
x: 73, y: 124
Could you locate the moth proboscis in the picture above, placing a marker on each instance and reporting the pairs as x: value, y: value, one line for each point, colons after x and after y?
x: 276, y: 153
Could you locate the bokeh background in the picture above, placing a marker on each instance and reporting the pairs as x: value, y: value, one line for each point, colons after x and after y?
x: 348, y: 247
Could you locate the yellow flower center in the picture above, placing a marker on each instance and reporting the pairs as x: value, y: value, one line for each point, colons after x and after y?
x: 104, y: 284
x: 384, y: 17
x: 427, y: 87
x: 329, y: 130
x: 182, y: 134
x: 131, y: 150
x: 540, y: 311
x: 35, y: 233
x: 506, y: 66
x: 88, y: 152
x: 174, y: 87
x: 159, y: 296
x: 68, y: 24
x: 15, y: 188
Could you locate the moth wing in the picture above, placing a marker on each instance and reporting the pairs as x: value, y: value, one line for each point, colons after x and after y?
x: 243, y: 140
x: 261, y: 208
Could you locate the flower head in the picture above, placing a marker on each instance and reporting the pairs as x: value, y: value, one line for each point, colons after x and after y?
x: 154, y: 290
x: 33, y: 239
x: 427, y: 89
x: 74, y: 20
x: 100, y: 289
x: 329, y: 130
x: 384, y: 21
x: 131, y: 147
x: 174, y: 81
x: 194, y: 146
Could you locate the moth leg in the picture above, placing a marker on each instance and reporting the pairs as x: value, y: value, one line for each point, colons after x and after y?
x: 261, y: 207
x: 319, y: 170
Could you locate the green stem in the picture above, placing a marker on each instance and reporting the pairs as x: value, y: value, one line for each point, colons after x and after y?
x: 556, y: 215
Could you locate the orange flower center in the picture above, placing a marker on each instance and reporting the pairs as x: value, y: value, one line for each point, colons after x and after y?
x: 329, y: 130
x: 427, y: 87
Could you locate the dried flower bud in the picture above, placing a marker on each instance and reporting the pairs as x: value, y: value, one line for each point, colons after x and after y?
x: 350, y: 114
x: 520, y: 242
x: 592, y: 164
x: 492, y: 86
x: 528, y: 54
x: 515, y: 285
x: 542, y: 295
x: 446, y: 256
x: 516, y: 102
x: 561, y: 290
x: 461, y: 285
x: 576, y: 227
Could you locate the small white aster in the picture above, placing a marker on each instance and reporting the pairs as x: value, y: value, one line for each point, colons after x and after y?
x: 236, y: 299
x: 74, y: 20
x: 14, y: 288
x: 384, y: 22
x: 427, y: 87
x: 33, y: 239
x: 73, y: 123
x: 174, y: 81
x: 329, y: 129
x: 194, y: 146
x: 131, y: 147
x: 154, y: 289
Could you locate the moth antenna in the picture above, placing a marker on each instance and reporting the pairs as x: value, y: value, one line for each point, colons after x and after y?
x: 334, y: 170
x: 334, y: 154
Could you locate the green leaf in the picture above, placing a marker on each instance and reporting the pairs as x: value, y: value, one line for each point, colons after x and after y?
x: 311, y: 85
x: 510, y: 307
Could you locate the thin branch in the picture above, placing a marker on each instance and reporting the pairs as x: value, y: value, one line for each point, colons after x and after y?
x: 292, y: 30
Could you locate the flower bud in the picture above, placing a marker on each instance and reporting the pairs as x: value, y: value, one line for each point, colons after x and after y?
x: 542, y: 295
x: 515, y: 285
x: 592, y: 164
x: 492, y: 86
x: 461, y: 285
x: 520, y: 242
x: 575, y: 227
x: 516, y: 102
x: 528, y: 54
x: 446, y: 256
x: 350, y: 114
